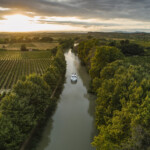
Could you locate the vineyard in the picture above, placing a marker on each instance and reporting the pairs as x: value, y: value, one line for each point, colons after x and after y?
x: 15, y: 64
x: 33, y: 45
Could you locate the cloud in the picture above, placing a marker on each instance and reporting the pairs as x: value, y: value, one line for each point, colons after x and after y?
x: 4, y: 9
x: 78, y: 23
x: 83, y: 9
x: 134, y: 9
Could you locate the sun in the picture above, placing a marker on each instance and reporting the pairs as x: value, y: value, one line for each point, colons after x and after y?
x: 17, y: 22
x: 13, y: 19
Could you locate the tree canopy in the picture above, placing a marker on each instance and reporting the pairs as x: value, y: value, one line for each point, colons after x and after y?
x: 23, y: 47
x: 123, y: 99
x: 23, y: 108
x: 128, y: 48
x: 103, y: 56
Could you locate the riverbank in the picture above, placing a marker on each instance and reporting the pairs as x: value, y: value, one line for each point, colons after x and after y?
x: 72, y: 124
x: 35, y: 136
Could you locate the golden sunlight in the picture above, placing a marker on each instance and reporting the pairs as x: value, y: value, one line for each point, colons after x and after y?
x: 17, y: 22
x: 22, y: 23
x: 13, y: 19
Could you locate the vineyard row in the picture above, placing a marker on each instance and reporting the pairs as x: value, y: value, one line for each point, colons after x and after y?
x: 13, y: 69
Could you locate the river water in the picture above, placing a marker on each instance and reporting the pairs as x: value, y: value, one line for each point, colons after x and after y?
x: 72, y: 125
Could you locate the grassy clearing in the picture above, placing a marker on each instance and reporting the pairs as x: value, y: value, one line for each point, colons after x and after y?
x: 143, y: 43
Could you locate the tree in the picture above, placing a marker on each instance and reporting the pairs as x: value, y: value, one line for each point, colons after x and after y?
x: 66, y: 43
x: 46, y: 39
x: 26, y: 104
x: 103, y: 56
x: 112, y: 43
x: 37, y: 91
x: 122, y: 108
x: 128, y: 48
x: 23, y: 47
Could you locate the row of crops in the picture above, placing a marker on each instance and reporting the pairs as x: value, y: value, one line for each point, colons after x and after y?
x: 14, y: 65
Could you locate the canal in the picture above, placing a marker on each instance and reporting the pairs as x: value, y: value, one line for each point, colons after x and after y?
x: 72, y: 125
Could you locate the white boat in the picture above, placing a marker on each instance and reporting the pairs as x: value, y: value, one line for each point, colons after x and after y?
x: 74, y: 77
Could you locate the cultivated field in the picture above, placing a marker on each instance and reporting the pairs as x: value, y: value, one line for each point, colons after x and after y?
x: 33, y: 45
x: 15, y: 64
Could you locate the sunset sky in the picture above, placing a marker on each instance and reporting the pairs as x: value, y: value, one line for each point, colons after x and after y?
x: 75, y: 15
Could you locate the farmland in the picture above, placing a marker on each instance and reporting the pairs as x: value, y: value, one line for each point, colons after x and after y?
x: 32, y: 45
x: 15, y: 64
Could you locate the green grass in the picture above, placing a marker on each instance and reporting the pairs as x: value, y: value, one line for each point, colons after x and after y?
x: 145, y: 44
x: 15, y: 64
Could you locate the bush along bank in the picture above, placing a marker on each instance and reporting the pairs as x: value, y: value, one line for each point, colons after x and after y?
x: 123, y: 98
x: 26, y: 104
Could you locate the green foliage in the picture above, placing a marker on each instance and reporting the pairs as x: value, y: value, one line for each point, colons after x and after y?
x: 121, y: 109
x: 2, y: 95
x: 123, y: 99
x: 112, y: 43
x: 66, y: 43
x: 102, y: 57
x: 44, y: 39
x: 86, y: 50
x: 9, y: 134
x: 56, y: 68
x: 36, y: 91
x: 25, y: 106
x: 23, y: 47
x: 128, y: 48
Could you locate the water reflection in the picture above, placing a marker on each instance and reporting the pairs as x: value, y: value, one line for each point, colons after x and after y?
x: 72, y: 125
x: 73, y: 82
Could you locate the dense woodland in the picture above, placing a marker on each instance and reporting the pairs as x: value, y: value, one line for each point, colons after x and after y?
x: 119, y: 69
x: 120, y: 78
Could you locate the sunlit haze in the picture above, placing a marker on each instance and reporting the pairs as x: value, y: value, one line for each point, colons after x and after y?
x: 22, y: 23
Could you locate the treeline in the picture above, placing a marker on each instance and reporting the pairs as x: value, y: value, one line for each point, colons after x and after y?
x: 128, y: 48
x: 117, y: 35
x: 66, y: 43
x: 123, y: 97
x: 23, y: 108
x: 25, y: 39
x: 87, y: 48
